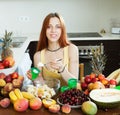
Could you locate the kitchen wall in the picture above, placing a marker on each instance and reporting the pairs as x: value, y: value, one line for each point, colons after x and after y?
x: 26, y: 16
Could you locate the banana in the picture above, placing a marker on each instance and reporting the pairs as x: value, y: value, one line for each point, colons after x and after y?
x: 18, y: 93
x: 12, y: 96
x: 114, y: 74
x: 27, y: 95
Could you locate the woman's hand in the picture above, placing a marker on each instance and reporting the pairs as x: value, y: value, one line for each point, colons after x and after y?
x: 29, y: 74
x: 55, y: 65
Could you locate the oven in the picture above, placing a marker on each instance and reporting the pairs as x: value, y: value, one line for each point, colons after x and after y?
x: 85, y: 56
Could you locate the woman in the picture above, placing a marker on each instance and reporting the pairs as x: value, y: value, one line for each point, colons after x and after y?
x: 59, y: 56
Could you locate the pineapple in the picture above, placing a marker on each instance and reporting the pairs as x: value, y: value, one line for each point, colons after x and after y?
x: 6, y: 47
x: 98, y: 61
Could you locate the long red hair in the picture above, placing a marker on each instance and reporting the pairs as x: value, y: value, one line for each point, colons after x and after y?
x: 43, y: 41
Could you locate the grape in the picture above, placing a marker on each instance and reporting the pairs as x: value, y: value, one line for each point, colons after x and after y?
x: 73, y: 97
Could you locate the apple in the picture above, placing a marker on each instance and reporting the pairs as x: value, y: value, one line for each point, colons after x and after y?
x: 94, y: 80
x: 1, y: 66
x: 8, y: 78
x: 6, y: 63
x: 84, y: 85
x: 5, y: 102
x: 112, y: 82
x: 87, y: 79
x: 14, y: 75
x: 2, y: 75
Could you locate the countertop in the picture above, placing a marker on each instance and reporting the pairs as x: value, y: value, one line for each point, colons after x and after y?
x: 44, y: 111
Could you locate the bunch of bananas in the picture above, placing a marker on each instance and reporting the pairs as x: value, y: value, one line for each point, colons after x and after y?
x: 17, y: 94
x: 115, y: 75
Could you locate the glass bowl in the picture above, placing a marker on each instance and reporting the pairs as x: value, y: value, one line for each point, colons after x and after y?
x: 51, y: 83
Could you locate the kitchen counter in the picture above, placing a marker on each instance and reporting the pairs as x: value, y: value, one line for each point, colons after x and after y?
x: 44, y: 111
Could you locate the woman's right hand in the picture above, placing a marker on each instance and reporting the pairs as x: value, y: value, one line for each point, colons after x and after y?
x: 29, y: 74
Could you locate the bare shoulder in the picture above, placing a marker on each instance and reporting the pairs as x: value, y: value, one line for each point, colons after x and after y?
x: 37, y: 54
x: 73, y: 47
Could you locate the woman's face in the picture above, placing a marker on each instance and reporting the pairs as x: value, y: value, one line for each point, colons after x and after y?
x: 53, y: 31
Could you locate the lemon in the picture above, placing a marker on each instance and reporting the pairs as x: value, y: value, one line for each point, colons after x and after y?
x: 89, y: 108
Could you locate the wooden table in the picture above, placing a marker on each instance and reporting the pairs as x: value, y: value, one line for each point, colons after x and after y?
x: 44, y: 111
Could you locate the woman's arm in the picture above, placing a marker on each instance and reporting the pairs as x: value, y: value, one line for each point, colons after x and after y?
x: 36, y: 61
x: 73, y: 67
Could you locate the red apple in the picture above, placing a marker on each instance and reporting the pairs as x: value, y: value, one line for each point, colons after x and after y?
x: 2, y: 75
x: 87, y: 79
x: 14, y: 75
x: 84, y: 85
x: 93, y: 80
x: 113, y: 82
x: 1, y: 66
x: 8, y: 78
x: 6, y: 63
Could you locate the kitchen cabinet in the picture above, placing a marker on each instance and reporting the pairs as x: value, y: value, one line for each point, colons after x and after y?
x: 111, y: 49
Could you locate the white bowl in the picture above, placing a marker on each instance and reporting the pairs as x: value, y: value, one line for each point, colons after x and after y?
x: 7, y: 71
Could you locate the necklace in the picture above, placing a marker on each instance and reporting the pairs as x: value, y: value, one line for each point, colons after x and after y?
x: 53, y: 50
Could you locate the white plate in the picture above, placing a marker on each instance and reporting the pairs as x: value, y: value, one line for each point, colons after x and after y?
x: 77, y: 106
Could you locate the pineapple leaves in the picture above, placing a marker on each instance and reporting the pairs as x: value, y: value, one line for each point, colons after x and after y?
x: 98, y: 60
x: 7, y: 39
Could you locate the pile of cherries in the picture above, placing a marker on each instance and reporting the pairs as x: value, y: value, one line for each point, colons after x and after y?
x: 73, y: 97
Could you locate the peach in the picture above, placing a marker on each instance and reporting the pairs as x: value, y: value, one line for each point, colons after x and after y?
x: 8, y: 87
x: 48, y: 102
x: 3, y: 92
x: 5, y: 102
x: 21, y: 105
x: 17, y: 83
x: 66, y: 108
x: 104, y: 81
x: 101, y: 76
x: 21, y: 78
x: 54, y: 108
x: 35, y: 103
